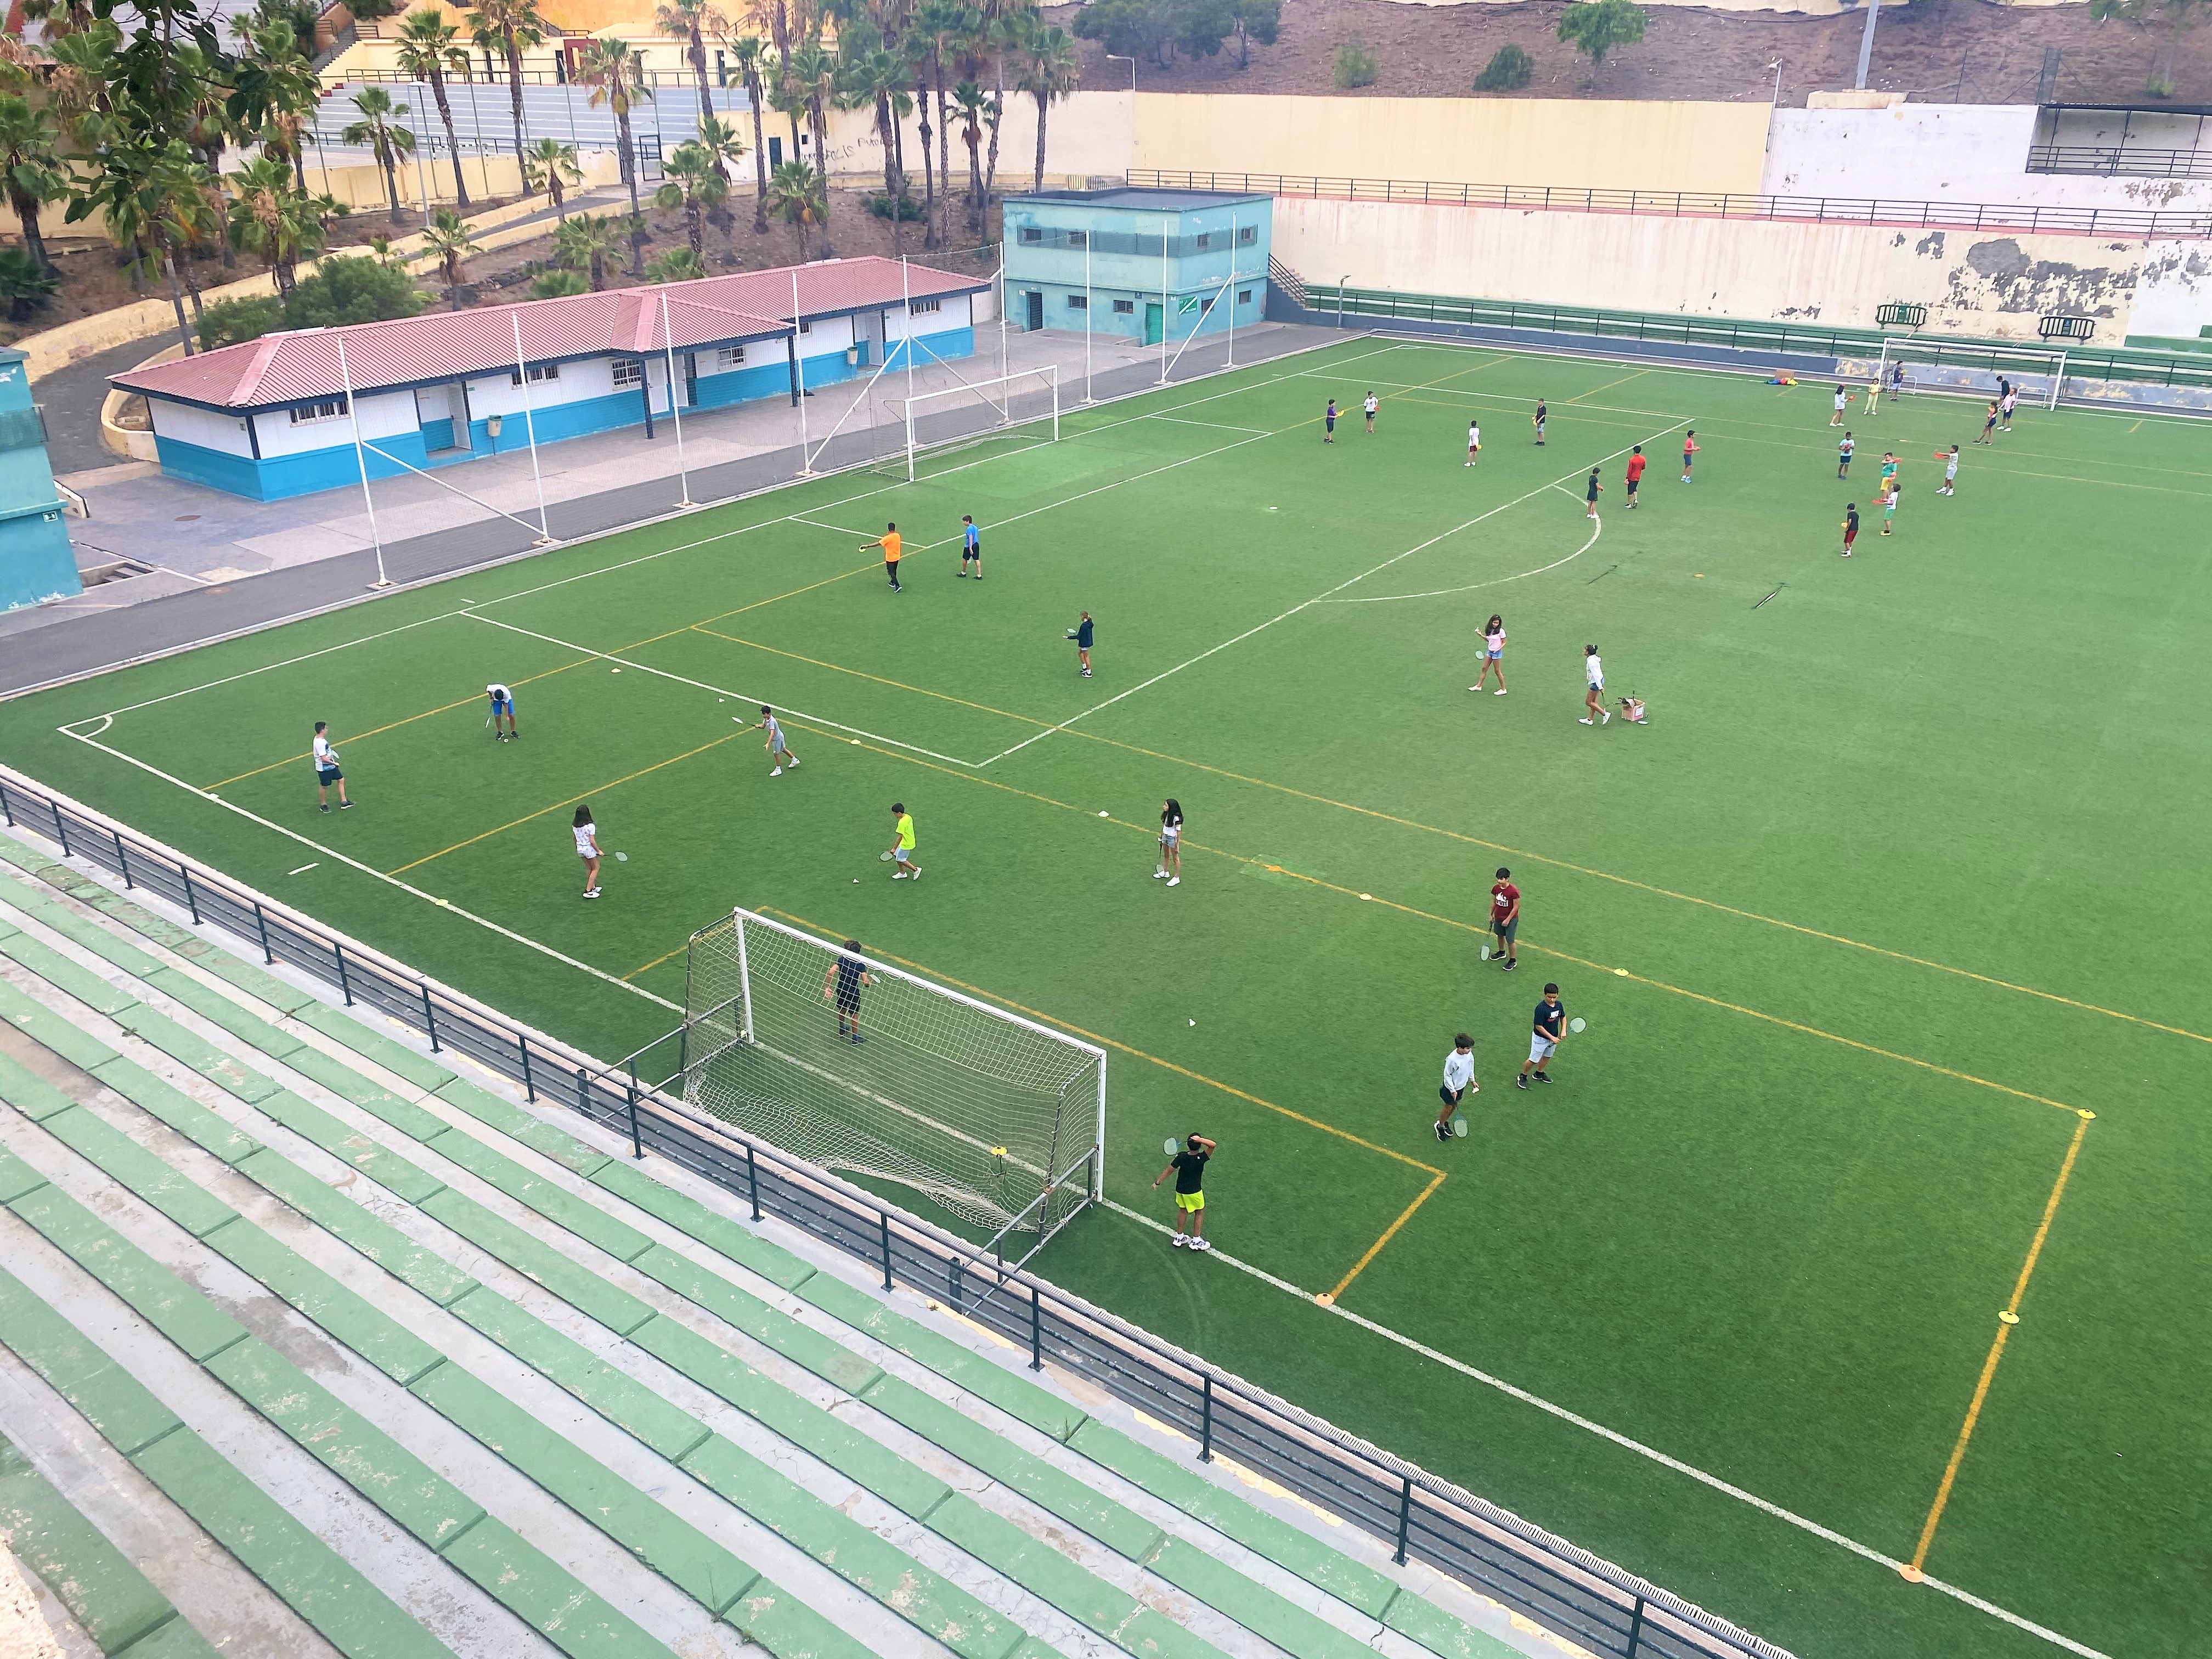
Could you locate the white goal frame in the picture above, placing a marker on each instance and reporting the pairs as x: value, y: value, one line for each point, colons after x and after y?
x: 713, y: 1031
x: 912, y: 410
x: 2024, y: 365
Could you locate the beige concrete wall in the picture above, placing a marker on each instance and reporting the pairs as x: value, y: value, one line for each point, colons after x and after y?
x: 1608, y: 144
x: 1086, y: 135
x: 1972, y: 283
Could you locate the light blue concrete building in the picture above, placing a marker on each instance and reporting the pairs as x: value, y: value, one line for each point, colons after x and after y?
x: 36, y: 561
x: 1143, y: 264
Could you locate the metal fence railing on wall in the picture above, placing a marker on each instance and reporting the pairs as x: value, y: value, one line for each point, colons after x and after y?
x: 1701, y: 205
x: 1419, y: 1516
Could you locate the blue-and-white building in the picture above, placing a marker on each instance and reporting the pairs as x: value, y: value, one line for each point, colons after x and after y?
x: 1137, y: 263
x: 280, y: 415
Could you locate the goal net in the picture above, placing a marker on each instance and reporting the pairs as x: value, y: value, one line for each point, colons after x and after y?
x: 1909, y: 365
x: 850, y: 1063
x: 948, y: 418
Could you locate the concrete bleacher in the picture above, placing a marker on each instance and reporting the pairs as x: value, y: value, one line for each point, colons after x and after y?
x: 311, y: 1344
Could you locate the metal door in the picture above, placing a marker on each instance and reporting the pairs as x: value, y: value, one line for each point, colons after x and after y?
x: 1036, y: 310
x: 1154, y: 317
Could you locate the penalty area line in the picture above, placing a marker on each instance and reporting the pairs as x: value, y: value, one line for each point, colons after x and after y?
x: 1726, y: 1489
x: 370, y: 870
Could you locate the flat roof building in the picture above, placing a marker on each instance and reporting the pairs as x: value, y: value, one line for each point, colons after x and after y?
x: 1149, y: 265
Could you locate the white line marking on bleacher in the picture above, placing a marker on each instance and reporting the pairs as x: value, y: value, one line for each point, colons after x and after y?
x: 303, y: 869
x: 1496, y: 581
x: 1304, y: 604
x: 370, y: 870
x: 1828, y: 1534
x: 718, y: 690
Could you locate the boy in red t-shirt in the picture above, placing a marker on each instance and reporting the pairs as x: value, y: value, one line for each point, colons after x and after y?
x: 1635, y: 472
x: 1689, y: 449
x: 1505, y: 916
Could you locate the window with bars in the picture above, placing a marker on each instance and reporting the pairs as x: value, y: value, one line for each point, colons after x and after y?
x: 1247, y: 234
x: 1125, y: 307
x: 537, y: 372
x: 326, y: 409
x: 1078, y: 302
x: 729, y: 356
x: 629, y: 373
x: 923, y: 308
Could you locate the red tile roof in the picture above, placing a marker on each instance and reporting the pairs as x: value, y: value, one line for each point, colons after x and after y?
x: 285, y: 368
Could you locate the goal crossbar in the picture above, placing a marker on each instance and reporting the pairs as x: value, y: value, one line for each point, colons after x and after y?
x: 995, y: 393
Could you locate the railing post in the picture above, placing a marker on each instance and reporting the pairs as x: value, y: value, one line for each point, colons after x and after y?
x: 6, y: 810
x: 583, y: 1092
x: 61, y: 829
x: 529, y: 1088
x: 884, y: 1224
x: 429, y: 1018
x: 191, y: 903
x: 1405, y: 1518
x: 261, y: 922
x: 1205, y: 1418
x: 636, y: 1142
x: 752, y: 1178
x: 1036, y: 1329
x: 123, y: 861
x: 345, y: 986
x: 1635, y: 1629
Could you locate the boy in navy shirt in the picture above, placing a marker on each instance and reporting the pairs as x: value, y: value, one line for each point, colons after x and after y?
x: 1081, y: 635
x: 1544, y: 1041
x: 841, y: 985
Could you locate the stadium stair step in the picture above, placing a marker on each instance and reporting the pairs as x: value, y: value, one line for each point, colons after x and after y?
x: 591, y: 1230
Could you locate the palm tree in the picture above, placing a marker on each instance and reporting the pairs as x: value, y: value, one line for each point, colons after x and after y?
x: 615, y: 75
x: 586, y: 242
x: 559, y: 285
x: 721, y: 140
x: 1050, y: 70
x: 208, y: 127
x: 30, y: 170
x: 273, y: 217
x: 676, y: 265
x: 917, y: 58
x: 750, y: 52
x: 691, y: 22
x: 940, y: 25
x: 386, y: 142
x: 184, y: 212
x: 429, y: 47
x: 692, y: 185
x: 292, y: 90
x: 446, y: 235
x: 553, y: 164
x: 795, y: 189
x: 813, y: 69
x: 23, y: 286
x: 512, y: 26
x: 1012, y: 24
x: 879, y: 76
x: 970, y: 104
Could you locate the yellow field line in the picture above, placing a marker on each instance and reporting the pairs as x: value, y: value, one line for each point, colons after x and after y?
x: 568, y: 800
x: 1165, y: 1065
x: 1643, y: 886
x: 2006, y: 1321
x: 1328, y: 1299
x: 658, y: 960
x: 898, y: 685
x: 1607, y: 387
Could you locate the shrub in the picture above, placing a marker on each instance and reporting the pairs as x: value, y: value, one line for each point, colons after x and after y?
x: 906, y: 208
x: 351, y: 290
x: 677, y: 265
x: 24, y: 284
x: 559, y: 284
x: 1507, y: 71
x: 1356, y: 66
x: 228, y: 322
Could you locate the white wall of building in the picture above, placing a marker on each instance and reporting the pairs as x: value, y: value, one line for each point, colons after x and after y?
x: 203, y: 427
x: 1090, y: 133
x: 2173, y: 296
x: 381, y: 414
x: 953, y: 313
x: 1946, y: 153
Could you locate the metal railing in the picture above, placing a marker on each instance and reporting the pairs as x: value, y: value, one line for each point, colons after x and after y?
x: 1418, y: 1516
x: 2124, y: 160
x: 1700, y: 204
x: 2111, y: 363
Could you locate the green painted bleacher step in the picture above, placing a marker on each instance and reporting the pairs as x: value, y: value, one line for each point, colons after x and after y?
x: 111, y: 1600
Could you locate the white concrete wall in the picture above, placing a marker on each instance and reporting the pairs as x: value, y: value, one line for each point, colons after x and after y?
x: 203, y: 427
x: 897, y: 324
x: 381, y: 414
x: 1945, y: 153
x: 1972, y: 284
x: 2173, y: 298
x: 1090, y: 133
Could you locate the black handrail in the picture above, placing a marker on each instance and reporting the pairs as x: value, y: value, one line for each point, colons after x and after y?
x: 1419, y: 1516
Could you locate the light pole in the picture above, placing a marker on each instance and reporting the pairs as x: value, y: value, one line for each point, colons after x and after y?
x: 1866, y: 43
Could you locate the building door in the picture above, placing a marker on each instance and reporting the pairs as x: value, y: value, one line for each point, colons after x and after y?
x: 1036, y: 310
x: 1154, y: 322
x: 774, y: 154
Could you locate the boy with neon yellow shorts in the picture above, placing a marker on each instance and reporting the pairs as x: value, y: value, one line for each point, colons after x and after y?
x: 1188, y: 1168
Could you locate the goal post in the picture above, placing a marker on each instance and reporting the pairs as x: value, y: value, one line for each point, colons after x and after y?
x: 852, y: 1063
x: 1963, y: 369
x: 1020, y: 407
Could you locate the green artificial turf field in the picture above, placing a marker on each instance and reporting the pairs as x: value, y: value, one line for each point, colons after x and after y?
x: 1887, y: 928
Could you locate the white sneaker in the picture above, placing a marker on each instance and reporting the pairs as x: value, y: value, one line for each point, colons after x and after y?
x: 913, y: 875
x: 794, y: 761
x: 1587, y: 721
x: 591, y: 892
x: 777, y: 772
x: 1178, y: 1240
x: 1608, y: 718
x: 899, y: 875
x: 1175, y: 881
x: 1499, y: 692
x: 1159, y: 875
x: 1199, y: 1244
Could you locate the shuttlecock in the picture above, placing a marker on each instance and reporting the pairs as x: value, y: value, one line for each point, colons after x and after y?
x: 1194, y: 1022
x: 1101, y: 815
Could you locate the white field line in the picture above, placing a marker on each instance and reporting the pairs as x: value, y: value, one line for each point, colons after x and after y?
x: 720, y: 690
x: 372, y: 870
x: 1828, y: 1535
x: 1497, y: 582
x: 1304, y: 604
x: 1217, y: 425
x: 818, y: 523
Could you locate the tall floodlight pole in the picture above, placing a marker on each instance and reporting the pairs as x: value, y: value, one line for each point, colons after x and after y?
x: 360, y: 460
x: 1165, y: 323
x: 799, y: 369
x: 674, y: 408
x: 1866, y: 43
x: 529, y: 430
x: 1086, y: 318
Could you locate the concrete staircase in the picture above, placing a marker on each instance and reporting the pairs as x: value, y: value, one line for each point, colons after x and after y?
x: 310, y: 1345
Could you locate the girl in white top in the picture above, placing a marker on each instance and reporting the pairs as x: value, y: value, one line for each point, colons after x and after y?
x: 1170, y: 865
x: 1493, y: 655
x: 1473, y: 441
x: 587, y: 848
x: 1593, y: 699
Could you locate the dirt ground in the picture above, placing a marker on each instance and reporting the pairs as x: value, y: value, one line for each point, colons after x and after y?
x: 1939, y: 51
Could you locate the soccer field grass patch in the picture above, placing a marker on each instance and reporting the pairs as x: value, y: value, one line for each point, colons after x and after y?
x: 1889, y: 893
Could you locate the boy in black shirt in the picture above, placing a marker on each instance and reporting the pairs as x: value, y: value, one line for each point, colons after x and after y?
x: 1544, y: 1043
x: 841, y: 985
x: 1188, y: 1168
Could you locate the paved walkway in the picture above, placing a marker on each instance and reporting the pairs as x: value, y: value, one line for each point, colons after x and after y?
x: 224, y: 564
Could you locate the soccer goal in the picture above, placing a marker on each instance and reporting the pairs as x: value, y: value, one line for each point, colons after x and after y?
x: 942, y: 422
x: 859, y: 1066
x: 1911, y: 364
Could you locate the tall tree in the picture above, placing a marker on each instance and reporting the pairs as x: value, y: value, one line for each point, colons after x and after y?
x: 290, y: 94
x: 587, y: 242
x: 1050, y: 70
x: 690, y: 182
x: 446, y: 235
x: 750, y: 52
x: 939, y: 26
x: 813, y: 69
x: 970, y: 104
x: 431, y: 48
x: 615, y: 75
x: 512, y: 26
x: 691, y: 22
x: 30, y: 169
x: 878, y: 77
x: 375, y: 132
x: 272, y: 216
x: 1010, y: 25
x: 553, y: 164
x: 795, y: 189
